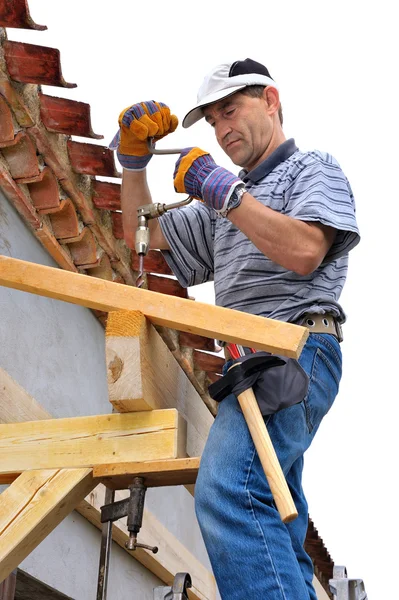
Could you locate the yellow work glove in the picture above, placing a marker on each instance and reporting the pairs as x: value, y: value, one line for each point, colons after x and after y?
x: 197, y: 174
x: 138, y: 123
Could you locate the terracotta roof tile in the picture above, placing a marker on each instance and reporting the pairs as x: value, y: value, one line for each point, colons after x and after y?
x: 6, y: 124
x: 28, y: 63
x: 208, y: 362
x: 64, y: 221
x: 56, y: 250
x: 154, y: 262
x: 16, y: 14
x: 91, y: 159
x: 117, y: 225
x: 62, y: 115
x: 44, y: 192
x: 196, y: 341
x: 107, y: 195
x: 21, y: 202
x: 166, y: 285
x: 83, y: 248
x: 22, y: 159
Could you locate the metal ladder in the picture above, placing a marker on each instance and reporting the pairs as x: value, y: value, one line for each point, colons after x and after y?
x: 343, y: 588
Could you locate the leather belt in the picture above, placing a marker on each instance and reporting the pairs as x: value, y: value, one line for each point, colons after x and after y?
x: 326, y: 323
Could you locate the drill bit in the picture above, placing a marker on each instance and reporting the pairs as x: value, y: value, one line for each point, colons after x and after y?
x: 140, y: 277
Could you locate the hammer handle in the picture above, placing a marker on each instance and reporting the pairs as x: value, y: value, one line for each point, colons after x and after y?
x: 268, y: 458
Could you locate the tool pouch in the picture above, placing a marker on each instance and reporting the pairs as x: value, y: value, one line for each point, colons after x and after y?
x: 278, y: 382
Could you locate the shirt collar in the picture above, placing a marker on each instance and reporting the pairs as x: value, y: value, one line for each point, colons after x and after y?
x: 284, y: 151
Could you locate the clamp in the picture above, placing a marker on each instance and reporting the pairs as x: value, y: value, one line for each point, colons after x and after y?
x: 343, y: 588
x: 178, y: 591
x: 151, y: 211
x: 132, y: 508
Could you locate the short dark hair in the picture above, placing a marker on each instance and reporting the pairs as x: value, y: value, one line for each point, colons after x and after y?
x: 256, y: 91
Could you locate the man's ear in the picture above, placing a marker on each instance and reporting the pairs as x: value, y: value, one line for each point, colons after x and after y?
x: 272, y: 99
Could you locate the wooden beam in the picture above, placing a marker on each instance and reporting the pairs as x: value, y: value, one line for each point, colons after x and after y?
x: 144, y: 375
x: 16, y: 406
x: 89, y: 441
x: 172, y: 557
x: 156, y: 473
x: 185, y: 315
x: 33, y: 506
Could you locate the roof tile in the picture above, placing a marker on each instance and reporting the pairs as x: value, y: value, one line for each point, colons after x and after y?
x: 61, y: 115
x: 117, y: 225
x: 166, y: 285
x: 83, y: 248
x: 208, y: 362
x: 56, y: 250
x: 154, y: 262
x: 92, y: 159
x: 22, y: 159
x: 64, y: 221
x: 18, y: 198
x: 6, y: 124
x: 44, y: 192
x: 199, y: 342
x: 107, y: 195
x: 28, y: 63
x: 16, y: 14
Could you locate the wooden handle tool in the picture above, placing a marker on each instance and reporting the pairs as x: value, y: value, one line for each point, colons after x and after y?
x: 267, y: 455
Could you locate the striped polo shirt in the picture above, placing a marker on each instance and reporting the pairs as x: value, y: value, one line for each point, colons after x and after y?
x: 309, y: 186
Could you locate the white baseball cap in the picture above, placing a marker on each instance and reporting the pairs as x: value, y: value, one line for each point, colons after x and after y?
x: 225, y: 80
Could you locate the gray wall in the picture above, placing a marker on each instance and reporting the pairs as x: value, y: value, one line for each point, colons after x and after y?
x: 56, y: 351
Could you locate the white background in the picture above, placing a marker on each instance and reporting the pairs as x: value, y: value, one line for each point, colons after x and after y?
x: 336, y: 64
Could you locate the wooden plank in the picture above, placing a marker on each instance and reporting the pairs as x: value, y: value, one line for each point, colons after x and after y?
x: 156, y: 473
x: 172, y: 557
x: 33, y: 506
x: 178, y: 313
x: 16, y: 405
x: 144, y: 375
x: 89, y: 441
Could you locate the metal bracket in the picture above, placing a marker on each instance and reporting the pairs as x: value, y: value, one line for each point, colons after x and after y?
x: 343, y: 588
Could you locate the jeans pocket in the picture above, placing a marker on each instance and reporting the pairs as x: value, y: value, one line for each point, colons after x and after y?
x: 323, y: 388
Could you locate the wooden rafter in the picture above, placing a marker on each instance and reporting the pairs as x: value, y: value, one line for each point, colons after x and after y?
x: 89, y: 441
x: 185, y: 315
x: 33, y: 506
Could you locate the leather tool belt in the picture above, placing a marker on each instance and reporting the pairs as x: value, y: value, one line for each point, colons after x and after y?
x: 326, y: 323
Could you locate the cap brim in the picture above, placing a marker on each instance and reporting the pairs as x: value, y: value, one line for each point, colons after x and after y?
x: 196, y: 113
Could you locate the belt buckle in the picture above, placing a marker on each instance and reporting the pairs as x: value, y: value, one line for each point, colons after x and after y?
x: 338, y: 329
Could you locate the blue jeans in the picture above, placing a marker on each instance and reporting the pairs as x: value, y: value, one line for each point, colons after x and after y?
x: 254, y: 555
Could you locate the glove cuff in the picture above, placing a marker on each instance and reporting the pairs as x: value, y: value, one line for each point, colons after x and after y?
x: 218, y: 187
x: 133, y: 163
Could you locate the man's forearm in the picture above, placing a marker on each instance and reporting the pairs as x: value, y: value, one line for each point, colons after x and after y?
x: 135, y: 193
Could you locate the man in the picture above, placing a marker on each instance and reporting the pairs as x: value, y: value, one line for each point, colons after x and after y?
x: 275, y: 240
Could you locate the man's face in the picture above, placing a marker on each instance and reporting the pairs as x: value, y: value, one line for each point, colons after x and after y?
x: 243, y: 128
